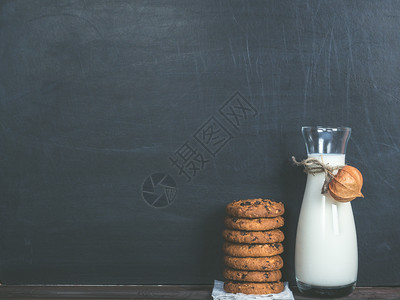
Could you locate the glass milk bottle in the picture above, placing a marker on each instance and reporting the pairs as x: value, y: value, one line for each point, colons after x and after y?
x: 326, y: 259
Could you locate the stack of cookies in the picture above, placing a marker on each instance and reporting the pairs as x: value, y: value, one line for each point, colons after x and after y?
x: 253, y: 247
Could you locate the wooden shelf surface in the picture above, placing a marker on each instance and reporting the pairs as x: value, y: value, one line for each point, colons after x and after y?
x: 195, y: 292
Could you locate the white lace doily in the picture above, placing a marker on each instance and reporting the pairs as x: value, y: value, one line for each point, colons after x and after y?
x: 219, y: 293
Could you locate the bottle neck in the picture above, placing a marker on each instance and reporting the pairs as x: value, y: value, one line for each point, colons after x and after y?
x: 326, y: 139
x: 330, y: 159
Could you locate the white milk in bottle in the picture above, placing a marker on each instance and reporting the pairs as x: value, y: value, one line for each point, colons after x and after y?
x: 326, y: 259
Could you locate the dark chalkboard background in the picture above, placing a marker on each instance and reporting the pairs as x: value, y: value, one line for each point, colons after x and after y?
x: 96, y: 96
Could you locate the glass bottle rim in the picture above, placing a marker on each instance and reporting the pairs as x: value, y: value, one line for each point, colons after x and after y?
x: 326, y: 128
x: 326, y: 140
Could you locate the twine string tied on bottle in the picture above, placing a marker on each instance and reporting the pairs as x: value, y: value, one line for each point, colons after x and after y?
x: 314, y: 166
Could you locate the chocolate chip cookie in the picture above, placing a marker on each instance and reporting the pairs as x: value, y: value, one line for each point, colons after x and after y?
x: 258, y: 224
x: 252, y: 276
x: 254, y: 263
x: 253, y: 287
x: 255, y: 208
x: 252, y: 250
x: 253, y: 237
